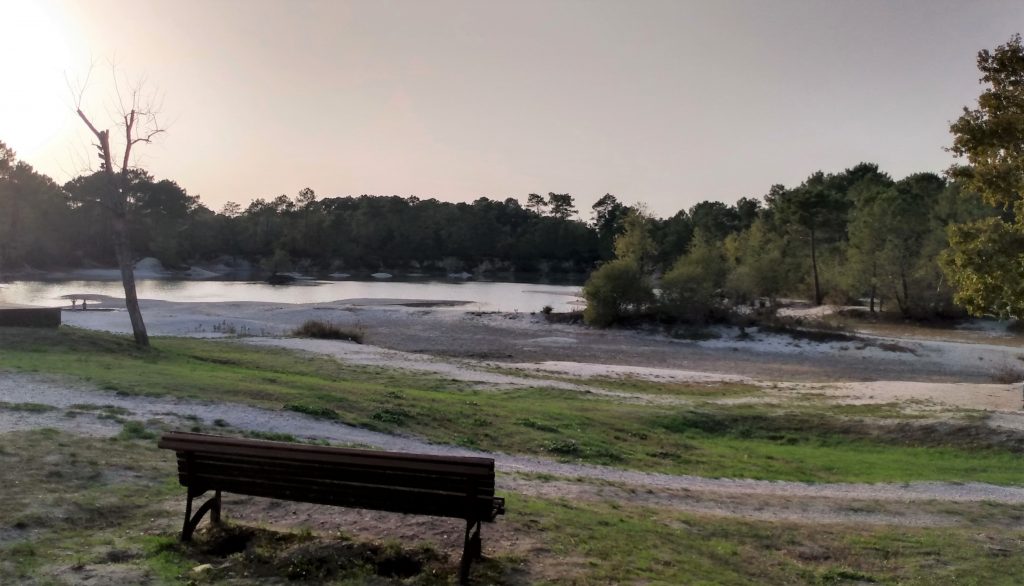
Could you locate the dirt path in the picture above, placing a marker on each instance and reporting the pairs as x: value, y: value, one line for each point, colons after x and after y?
x: 65, y: 395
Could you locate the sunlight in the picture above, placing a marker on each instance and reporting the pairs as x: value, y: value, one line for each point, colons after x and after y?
x: 33, y: 109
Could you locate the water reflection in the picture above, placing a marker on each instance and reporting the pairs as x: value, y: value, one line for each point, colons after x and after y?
x: 484, y: 296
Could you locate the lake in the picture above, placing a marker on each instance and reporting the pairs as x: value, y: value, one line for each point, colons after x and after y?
x: 482, y: 295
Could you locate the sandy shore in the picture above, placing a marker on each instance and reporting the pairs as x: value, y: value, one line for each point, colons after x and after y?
x: 470, y: 346
x: 409, y: 326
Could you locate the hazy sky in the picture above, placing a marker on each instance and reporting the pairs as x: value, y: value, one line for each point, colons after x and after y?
x: 669, y: 103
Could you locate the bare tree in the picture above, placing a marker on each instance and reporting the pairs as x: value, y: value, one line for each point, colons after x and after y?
x: 136, y: 121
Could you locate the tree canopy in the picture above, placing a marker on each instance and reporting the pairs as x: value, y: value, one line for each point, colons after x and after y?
x: 985, y: 260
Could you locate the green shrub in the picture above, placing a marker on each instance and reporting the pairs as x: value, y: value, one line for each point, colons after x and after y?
x: 690, y: 291
x: 327, y: 331
x: 616, y: 290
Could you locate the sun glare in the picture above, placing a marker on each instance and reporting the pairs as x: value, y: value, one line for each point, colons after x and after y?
x: 34, y: 103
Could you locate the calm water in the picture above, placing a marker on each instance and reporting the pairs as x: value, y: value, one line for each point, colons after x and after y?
x: 485, y: 296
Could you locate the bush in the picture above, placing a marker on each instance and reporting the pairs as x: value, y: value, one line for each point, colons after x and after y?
x: 690, y: 291
x: 616, y: 290
x: 327, y: 331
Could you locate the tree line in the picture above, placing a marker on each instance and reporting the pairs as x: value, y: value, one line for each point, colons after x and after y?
x: 924, y: 245
x: 836, y: 236
x: 848, y: 237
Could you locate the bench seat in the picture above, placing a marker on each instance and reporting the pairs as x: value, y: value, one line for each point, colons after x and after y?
x: 421, y: 484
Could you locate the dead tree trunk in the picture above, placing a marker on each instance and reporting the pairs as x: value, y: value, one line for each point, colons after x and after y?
x: 116, y: 203
x: 125, y: 262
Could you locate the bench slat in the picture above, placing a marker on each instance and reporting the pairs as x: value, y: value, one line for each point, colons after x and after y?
x: 201, y: 464
x: 377, y: 498
x: 199, y: 442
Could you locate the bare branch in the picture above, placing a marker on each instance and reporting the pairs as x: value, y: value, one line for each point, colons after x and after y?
x: 129, y: 122
x: 85, y: 119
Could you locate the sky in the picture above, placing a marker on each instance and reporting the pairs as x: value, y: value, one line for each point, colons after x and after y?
x: 667, y: 103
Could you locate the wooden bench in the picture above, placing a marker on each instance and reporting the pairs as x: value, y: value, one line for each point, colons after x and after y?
x: 420, y: 484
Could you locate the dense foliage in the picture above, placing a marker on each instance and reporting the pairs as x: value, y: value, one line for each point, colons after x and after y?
x: 986, y: 256
x: 849, y: 237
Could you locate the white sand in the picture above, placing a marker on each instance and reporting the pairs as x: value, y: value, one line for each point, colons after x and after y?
x: 446, y: 326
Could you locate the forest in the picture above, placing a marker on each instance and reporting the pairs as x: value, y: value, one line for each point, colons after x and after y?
x: 853, y: 235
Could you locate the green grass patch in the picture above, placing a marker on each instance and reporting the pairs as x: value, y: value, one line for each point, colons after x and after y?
x: 135, y: 430
x: 85, y: 506
x: 26, y: 407
x: 607, y: 542
x: 314, y: 411
x: 683, y: 390
x: 752, y: 441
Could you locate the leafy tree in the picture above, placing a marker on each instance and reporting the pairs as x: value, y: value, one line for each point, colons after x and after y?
x: 691, y: 291
x: 868, y: 227
x: 536, y: 202
x: 758, y: 267
x: 672, y: 237
x: 608, y: 217
x: 748, y: 210
x: 635, y: 243
x: 562, y: 205
x: 985, y: 262
x: 618, y: 288
x: 231, y: 210
x: 278, y: 263
x: 984, y: 265
x: 815, y: 213
x: 905, y: 212
x: 714, y: 219
x: 32, y: 212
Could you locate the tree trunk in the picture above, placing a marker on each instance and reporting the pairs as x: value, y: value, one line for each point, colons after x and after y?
x: 873, y: 287
x: 905, y: 302
x: 123, y: 250
x: 814, y: 269
x: 117, y: 205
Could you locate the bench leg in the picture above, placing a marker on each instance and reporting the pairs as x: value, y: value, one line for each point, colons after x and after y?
x: 471, y: 550
x: 215, y: 511
x: 192, y: 521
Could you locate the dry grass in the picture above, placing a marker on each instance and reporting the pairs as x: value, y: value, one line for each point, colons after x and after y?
x: 326, y: 330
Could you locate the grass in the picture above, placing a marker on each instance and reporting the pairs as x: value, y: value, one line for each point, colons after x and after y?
x: 135, y: 430
x: 612, y: 543
x: 319, y: 412
x: 714, y: 440
x: 688, y: 390
x: 26, y: 407
x: 110, y: 509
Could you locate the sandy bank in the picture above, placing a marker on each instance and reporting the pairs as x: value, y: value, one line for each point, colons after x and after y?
x: 450, y: 333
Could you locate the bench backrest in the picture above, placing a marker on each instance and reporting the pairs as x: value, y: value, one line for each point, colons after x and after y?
x: 444, y: 486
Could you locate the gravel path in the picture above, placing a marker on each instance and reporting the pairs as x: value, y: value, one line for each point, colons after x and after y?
x: 63, y: 394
